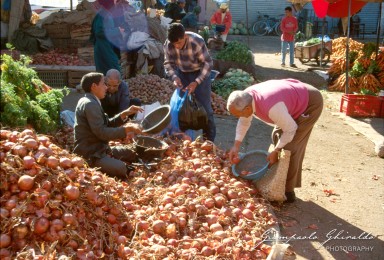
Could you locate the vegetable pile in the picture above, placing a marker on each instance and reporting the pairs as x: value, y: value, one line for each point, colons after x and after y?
x: 234, y: 79
x: 236, y: 51
x: 239, y: 28
x: 365, y: 70
x: 59, y: 57
x: 25, y: 99
x: 53, y: 205
x: 151, y: 88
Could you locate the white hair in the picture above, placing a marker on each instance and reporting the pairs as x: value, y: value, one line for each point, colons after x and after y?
x: 113, y: 74
x: 239, y: 100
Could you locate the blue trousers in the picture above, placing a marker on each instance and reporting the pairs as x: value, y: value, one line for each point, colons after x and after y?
x: 203, y: 95
x: 284, y: 46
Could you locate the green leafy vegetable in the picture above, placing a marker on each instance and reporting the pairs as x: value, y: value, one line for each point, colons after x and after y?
x: 25, y: 99
x: 236, y: 51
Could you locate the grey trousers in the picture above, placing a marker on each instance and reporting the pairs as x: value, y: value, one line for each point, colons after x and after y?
x: 115, y: 166
x: 299, y: 143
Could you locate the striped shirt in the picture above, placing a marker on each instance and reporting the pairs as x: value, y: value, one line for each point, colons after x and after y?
x: 192, y: 57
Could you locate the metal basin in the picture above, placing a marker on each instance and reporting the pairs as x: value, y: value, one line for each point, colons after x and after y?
x: 149, y: 148
x: 157, y: 120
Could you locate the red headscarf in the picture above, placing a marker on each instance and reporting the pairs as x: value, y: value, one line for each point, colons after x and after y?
x: 106, y: 4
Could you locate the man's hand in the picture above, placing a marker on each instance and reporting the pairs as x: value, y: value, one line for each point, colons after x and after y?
x: 133, y: 127
x: 273, y: 158
x: 234, y: 152
x: 177, y: 83
x: 192, y: 86
x: 130, y: 111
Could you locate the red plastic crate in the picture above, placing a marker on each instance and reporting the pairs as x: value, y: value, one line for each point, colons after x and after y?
x: 361, y: 105
x: 382, y: 107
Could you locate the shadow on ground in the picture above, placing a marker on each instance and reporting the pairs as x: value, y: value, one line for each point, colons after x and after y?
x: 321, y: 229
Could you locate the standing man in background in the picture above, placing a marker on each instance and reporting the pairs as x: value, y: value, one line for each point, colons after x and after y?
x: 222, y: 17
x: 188, y: 64
x: 289, y: 27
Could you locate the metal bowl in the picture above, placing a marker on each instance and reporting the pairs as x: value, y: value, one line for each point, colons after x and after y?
x: 157, y: 120
x: 255, y: 162
x: 149, y: 148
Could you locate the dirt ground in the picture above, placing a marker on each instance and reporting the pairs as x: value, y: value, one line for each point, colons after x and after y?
x: 345, y: 223
x: 349, y: 223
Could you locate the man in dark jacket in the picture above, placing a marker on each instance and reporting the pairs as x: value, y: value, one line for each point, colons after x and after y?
x: 175, y: 10
x: 190, y: 20
x: 94, y: 129
x: 117, y: 98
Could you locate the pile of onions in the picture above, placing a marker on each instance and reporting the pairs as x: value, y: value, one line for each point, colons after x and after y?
x: 190, y: 206
x: 151, y: 88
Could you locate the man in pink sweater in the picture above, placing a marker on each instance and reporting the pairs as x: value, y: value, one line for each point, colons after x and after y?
x: 292, y: 106
x: 289, y: 27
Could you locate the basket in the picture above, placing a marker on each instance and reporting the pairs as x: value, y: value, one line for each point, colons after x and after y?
x: 255, y: 162
x: 361, y: 105
x: 58, y: 30
x: 54, y: 78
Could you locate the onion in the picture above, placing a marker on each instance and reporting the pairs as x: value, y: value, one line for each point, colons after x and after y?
x: 44, y: 140
x: 248, y: 214
x: 57, y: 224
x: 46, y: 185
x: 122, y: 240
x: 8, y: 146
x: 143, y: 225
x: 4, y: 134
x: 31, y: 144
x: 5, y: 240
x: 77, y: 162
x: 72, y: 192
x: 27, y: 132
x: 215, y: 227
x: 26, y: 182
x: 20, y: 231
x: 52, y: 162
x: 209, y: 203
x: 159, y: 227
x: 219, y: 201
x: 65, y: 163
x: 10, y: 204
x: 207, y: 251
x: 13, y: 136
x: 28, y: 162
x: 69, y: 219
x: 4, y: 213
x: 20, y: 150
x: 111, y: 219
x: 211, y: 219
x: 232, y: 194
x: 71, y: 173
x: 41, y: 226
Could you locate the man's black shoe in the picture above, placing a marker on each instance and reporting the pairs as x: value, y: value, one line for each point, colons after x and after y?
x: 291, y: 197
x: 293, y: 65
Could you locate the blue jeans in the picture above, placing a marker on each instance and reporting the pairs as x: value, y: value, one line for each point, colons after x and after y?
x: 203, y: 95
x: 291, y: 51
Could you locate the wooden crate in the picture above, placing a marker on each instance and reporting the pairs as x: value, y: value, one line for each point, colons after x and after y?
x: 58, y: 30
x: 74, y: 77
x: 54, y: 78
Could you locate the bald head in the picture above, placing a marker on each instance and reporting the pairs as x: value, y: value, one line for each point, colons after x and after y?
x: 238, y: 100
x: 113, y: 74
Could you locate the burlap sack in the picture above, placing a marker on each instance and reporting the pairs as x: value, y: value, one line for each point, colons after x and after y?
x: 272, y: 185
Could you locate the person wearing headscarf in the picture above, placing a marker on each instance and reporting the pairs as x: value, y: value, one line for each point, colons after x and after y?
x: 222, y: 17
x: 190, y: 20
x: 175, y: 10
x: 106, y: 37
